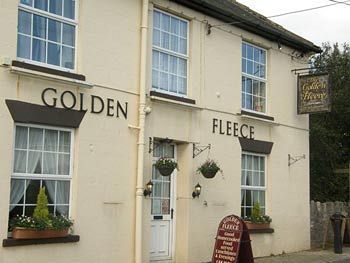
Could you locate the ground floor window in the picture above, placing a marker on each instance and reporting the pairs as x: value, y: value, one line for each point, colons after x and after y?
x: 253, y: 183
x: 42, y: 157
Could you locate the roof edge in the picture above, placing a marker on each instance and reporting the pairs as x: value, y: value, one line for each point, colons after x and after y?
x: 264, y: 30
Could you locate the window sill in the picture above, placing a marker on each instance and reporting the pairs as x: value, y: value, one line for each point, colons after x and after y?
x: 28, y: 69
x: 261, y: 231
x: 158, y: 96
x: 10, y: 242
x: 257, y: 116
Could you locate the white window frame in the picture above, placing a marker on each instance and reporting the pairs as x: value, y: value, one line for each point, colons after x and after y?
x: 30, y: 176
x: 252, y: 77
x: 257, y: 188
x: 172, y: 53
x: 48, y: 15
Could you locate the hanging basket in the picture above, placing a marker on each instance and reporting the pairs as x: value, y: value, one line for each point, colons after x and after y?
x: 165, y: 171
x: 209, y: 173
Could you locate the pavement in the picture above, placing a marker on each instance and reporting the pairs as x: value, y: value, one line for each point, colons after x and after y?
x: 310, y: 256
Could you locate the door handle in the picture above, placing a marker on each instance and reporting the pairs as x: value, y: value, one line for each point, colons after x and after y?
x: 172, y: 213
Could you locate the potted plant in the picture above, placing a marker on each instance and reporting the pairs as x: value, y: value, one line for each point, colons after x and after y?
x: 41, y: 224
x: 257, y: 220
x: 209, y: 168
x: 166, y: 166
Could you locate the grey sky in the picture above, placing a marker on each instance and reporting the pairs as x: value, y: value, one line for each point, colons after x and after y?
x: 329, y: 24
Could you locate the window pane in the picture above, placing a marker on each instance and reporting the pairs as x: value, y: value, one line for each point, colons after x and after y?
x: 249, y: 178
x: 165, y: 40
x: 24, y: 22
x: 249, y: 198
x: 173, y: 83
x: 155, y: 59
x: 175, y: 26
x: 244, y: 50
x: 64, y: 142
x: 155, y: 79
x: 62, y: 210
x: 174, y: 43
x: 249, y: 52
x: 34, y: 162
x: 35, y: 139
x: 165, y: 22
x: 63, y: 190
x: 157, y: 190
x: 164, y: 62
x: 29, y: 210
x: 50, y: 163
x: 53, y: 54
x: 68, y: 57
x: 250, y: 69
x: 51, y: 140
x: 244, y: 65
x: 163, y: 81
x: 183, y: 46
x: 63, y: 164
x: 183, y: 29
x: 39, y: 26
x: 27, y: 2
x: 32, y: 191
x: 21, y: 137
x: 262, y: 179
x: 256, y: 55
x: 17, y: 191
x: 20, y: 161
x: 182, y: 85
x: 182, y: 67
x: 156, y: 19
x: 156, y: 37
x: 173, y: 64
x: 249, y: 84
x: 40, y: 4
x: 69, y: 9
x: 39, y: 50
x: 156, y: 207
x: 56, y: 7
x: 68, y: 35
x: 23, y: 46
x: 262, y: 57
x: 243, y: 178
x: 255, y: 178
x: 165, y: 206
x: 262, y: 89
x: 54, y: 31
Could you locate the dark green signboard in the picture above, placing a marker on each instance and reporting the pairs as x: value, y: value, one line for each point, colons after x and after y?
x: 313, y: 93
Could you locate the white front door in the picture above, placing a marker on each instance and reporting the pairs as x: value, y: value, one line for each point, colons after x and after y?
x: 162, y: 211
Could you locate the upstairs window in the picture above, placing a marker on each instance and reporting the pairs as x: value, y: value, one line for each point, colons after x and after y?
x: 46, y: 32
x: 169, y: 54
x: 253, y: 78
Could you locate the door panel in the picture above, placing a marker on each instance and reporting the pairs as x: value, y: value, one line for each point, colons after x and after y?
x: 162, y: 202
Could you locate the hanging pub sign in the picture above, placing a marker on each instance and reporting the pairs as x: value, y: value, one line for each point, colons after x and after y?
x: 313, y: 93
x: 232, y: 243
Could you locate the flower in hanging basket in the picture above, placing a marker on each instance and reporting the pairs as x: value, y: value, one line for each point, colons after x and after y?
x: 209, y: 168
x: 166, y: 166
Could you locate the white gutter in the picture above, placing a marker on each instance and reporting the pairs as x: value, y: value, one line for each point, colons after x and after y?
x: 141, y: 139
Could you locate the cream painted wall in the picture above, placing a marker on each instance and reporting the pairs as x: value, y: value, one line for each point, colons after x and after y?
x: 103, y: 201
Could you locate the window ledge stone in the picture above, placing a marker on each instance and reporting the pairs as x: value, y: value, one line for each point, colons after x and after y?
x: 27, y: 69
x: 259, y: 117
x: 261, y: 231
x: 162, y: 97
x: 10, y: 242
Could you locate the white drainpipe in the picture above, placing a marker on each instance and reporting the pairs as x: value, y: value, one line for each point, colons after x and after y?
x: 141, y: 139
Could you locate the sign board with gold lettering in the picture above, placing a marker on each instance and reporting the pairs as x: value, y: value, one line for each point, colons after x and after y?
x: 313, y: 93
x: 232, y: 243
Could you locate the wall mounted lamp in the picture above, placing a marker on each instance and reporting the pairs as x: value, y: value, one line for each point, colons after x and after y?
x: 197, y: 191
x: 148, y: 189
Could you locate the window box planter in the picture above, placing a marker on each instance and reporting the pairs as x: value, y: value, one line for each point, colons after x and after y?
x: 253, y: 226
x: 28, y: 233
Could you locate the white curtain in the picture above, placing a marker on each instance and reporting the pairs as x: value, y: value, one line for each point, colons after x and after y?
x: 34, y: 160
x: 62, y: 194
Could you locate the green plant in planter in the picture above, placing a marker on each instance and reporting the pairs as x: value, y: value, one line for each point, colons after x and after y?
x: 166, y: 166
x: 41, y: 219
x: 257, y: 217
x: 209, y: 168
